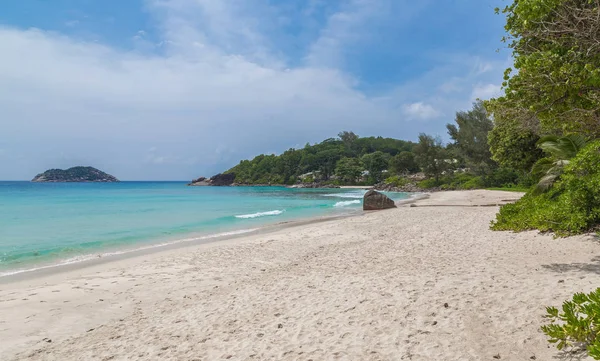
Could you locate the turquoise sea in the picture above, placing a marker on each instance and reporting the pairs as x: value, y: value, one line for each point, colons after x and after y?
x: 44, y: 224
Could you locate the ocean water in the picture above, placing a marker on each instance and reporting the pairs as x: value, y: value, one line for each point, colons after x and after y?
x: 45, y: 224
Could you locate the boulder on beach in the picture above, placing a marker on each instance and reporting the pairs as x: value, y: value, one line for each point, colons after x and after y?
x: 374, y: 201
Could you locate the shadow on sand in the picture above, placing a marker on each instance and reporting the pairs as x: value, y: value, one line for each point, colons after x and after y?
x: 591, y: 267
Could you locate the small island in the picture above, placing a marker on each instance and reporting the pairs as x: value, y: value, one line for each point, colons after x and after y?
x: 75, y: 174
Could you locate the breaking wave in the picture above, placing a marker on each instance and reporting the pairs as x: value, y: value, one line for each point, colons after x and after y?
x: 346, y: 203
x: 260, y: 214
x: 346, y: 195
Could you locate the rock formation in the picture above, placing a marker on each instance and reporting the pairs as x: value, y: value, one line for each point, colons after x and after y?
x: 75, y: 174
x: 218, y: 180
x: 374, y: 201
x: 221, y: 179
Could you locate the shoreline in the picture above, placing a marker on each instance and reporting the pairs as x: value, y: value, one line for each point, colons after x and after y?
x: 88, y: 260
x: 92, y: 260
x: 423, y: 283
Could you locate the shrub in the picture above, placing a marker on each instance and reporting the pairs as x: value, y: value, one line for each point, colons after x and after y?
x: 473, y: 183
x: 427, y: 183
x: 578, y: 325
x: 397, y: 181
x: 572, y: 205
x: 502, y: 177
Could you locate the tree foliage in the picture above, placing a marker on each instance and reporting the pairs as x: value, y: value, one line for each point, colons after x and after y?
x: 340, y: 157
x: 403, y: 163
x: 349, y: 170
x: 431, y: 156
x: 514, y: 145
x: 470, y: 136
x: 556, y: 76
x: 375, y: 163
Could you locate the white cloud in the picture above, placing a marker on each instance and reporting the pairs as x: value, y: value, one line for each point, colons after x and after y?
x: 139, y: 35
x: 340, y: 30
x: 486, y: 91
x: 217, y: 91
x: 420, y: 111
x: 67, y: 94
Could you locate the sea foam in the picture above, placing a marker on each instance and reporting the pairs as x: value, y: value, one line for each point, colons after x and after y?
x: 345, y: 195
x: 346, y: 203
x: 260, y: 214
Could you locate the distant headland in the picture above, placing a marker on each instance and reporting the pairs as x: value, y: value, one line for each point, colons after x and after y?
x: 75, y: 174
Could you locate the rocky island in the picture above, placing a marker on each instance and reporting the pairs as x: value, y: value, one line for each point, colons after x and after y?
x: 75, y: 174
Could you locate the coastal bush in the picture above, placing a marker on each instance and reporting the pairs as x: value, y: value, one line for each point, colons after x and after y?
x: 503, y: 177
x: 571, y: 206
x: 473, y: 183
x: 428, y: 183
x: 397, y: 181
x: 498, y: 178
x: 461, y: 181
x: 578, y: 325
x: 560, y: 150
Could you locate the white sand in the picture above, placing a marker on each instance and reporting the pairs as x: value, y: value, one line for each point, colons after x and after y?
x: 362, y: 288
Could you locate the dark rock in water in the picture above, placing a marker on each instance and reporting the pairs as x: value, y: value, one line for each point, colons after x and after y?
x: 75, y: 174
x: 201, y: 181
x: 374, y: 201
x: 218, y: 180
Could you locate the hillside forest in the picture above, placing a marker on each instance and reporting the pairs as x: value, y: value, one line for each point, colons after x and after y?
x: 464, y: 163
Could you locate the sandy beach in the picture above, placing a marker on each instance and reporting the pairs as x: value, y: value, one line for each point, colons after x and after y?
x: 423, y: 282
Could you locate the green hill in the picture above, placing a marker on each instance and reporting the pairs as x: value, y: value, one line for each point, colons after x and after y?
x: 347, y: 159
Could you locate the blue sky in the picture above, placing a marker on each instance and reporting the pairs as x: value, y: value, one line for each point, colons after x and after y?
x: 175, y: 89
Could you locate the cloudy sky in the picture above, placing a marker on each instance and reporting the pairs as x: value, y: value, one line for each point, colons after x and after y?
x: 175, y: 89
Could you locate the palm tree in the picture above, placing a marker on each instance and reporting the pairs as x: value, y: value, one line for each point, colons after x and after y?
x: 561, y: 151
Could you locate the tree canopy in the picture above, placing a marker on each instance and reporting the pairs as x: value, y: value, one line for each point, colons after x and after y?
x: 470, y: 136
x: 431, y: 156
x: 343, y: 159
x: 555, y: 83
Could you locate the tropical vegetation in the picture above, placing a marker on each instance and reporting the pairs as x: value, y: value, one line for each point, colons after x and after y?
x: 464, y: 163
x: 577, y: 327
x: 548, y: 120
x: 347, y: 159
